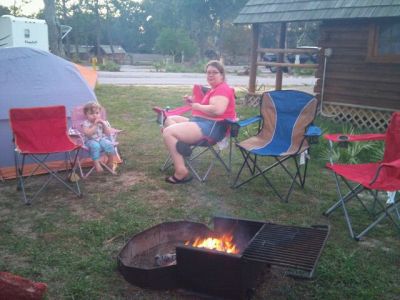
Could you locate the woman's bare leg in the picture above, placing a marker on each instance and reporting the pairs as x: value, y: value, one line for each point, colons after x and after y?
x: 174, y: 119
x: 187, y: 132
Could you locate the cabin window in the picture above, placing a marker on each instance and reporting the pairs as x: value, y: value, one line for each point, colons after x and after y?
x: 384, y: 43
x: 27, y: 33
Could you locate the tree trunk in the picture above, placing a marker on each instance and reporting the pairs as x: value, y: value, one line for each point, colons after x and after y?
x: 65, y: 17
x: 55, y: 44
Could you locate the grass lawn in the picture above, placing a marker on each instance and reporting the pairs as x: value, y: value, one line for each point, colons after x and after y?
x: 72, y: 244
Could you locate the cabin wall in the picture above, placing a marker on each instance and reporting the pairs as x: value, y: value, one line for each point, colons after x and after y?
x: 351, y: 80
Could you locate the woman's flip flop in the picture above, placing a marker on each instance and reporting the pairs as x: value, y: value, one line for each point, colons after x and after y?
x: 173, y: 180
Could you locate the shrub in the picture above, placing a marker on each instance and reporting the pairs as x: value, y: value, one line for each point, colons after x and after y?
x: 110, y: 66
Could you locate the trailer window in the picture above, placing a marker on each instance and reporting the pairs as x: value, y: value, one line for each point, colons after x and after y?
x: 384, y: 43
x: 27, y: 33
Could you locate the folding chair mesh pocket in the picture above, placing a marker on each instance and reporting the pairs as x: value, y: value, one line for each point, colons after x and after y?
x: 39, y: 133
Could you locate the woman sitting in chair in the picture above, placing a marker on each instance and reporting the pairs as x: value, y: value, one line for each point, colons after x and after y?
x: 207, y: 118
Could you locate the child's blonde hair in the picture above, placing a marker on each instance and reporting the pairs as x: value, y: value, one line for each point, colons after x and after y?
x: 91, y: 107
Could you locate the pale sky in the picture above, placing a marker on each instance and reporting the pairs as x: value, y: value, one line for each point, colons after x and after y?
x: 33, y: 7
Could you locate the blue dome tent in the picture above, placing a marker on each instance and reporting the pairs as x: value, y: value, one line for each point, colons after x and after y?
x: 29, y: 78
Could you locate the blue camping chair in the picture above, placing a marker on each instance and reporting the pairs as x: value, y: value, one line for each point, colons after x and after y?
x: 285, y: 132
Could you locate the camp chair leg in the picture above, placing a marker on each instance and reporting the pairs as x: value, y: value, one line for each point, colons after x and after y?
x: 57, y: 177
x: 382, y: 216
x: 255, y: 171
x: 353, y: 193
x: 51, y: 174
x: 197, y: 151
x: 247, y: 157
x: 217, y: 157
x: 167, y: 164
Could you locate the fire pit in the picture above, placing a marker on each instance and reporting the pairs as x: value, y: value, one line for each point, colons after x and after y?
x: 225, y: 261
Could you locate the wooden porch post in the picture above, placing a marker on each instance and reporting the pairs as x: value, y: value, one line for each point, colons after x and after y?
x: 282, y: 45
x: 255, y: 29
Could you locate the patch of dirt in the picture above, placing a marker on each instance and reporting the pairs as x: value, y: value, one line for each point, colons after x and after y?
x: 15, y: 260
x: 110, y: 184
x: 85, y: 213
x: 377, y: 244
x: 25, y: 230
x: 107, y: 184
x: 159, y: 198
x: 127, y: 179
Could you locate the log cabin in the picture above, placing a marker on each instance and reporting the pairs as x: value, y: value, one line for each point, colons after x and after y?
x: 358, y: 71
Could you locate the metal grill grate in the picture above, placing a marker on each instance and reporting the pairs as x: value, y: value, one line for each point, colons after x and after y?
x: 293, y: 247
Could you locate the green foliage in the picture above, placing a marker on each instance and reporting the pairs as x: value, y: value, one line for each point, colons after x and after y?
x: 4, y: 10
x: 355, y: 152
x: 184, y: 68
x: 109, y: 65
x: 176, y: 43
x: 236, y: 41
x: 159, y: 65
x: 303, y: 71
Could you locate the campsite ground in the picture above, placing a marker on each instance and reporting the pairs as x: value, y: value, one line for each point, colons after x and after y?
x: 72, y: 243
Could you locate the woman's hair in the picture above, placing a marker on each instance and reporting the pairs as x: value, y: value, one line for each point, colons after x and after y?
x: 91, y: 107
x: 216, y: 64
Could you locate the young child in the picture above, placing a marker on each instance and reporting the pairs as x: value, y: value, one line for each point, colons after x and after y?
x: 97, y: 133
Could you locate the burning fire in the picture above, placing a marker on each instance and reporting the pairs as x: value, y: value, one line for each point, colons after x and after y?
x: 223, y: 243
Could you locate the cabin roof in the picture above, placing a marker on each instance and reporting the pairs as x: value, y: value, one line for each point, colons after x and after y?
x: 270, y: 11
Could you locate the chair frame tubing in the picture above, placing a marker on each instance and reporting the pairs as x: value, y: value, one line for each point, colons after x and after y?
x: 250, y: 160
x: 189, y: 160
x: 70, y: 164
x: 385, y: 211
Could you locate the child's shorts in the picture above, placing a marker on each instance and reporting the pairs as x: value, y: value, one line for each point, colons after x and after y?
x: 216, y: 130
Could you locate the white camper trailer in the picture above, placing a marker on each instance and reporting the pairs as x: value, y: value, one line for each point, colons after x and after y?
x: 23, y: 32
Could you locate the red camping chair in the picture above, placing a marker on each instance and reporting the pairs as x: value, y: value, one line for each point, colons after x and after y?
x: 374, y: 177
x: 77, y: 119
x: 39, y: 132
x: 193, y: 153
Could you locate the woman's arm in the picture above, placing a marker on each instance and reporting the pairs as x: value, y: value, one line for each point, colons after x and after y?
x: 217, y: 106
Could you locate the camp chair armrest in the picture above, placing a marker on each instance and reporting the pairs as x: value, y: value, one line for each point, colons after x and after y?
x: 249, y: 121
x: 236, y: 125
x: 76, y: 136
x: 312, y: 134
x: 115, y: 131
x: 340, y: 137
x: 393, y: 164
x: 313, y: 131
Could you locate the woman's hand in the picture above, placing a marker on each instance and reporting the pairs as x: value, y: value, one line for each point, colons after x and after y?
x: 188, y: 99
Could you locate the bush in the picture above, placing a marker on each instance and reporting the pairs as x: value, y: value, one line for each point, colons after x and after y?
x: 182, y: 68
x: 110, y: 66
x: 159, y: 65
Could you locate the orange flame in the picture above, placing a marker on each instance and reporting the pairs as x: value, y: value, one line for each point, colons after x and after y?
x: 223, y: 243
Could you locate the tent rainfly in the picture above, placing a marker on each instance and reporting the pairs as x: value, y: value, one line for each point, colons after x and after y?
x: 29, y: 78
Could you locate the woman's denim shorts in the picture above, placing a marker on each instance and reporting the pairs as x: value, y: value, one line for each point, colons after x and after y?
x: 216, y: 130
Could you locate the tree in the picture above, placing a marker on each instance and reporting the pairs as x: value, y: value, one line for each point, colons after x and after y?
x: 176, y: 43
x: 237, y: 41
x: 54, y: 29
x: 4, y: 10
